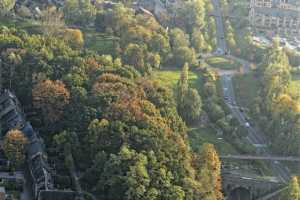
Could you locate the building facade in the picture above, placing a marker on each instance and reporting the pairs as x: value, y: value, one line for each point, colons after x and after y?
x: 276, y: 17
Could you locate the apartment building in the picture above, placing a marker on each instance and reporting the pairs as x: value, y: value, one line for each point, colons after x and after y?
x: 280, y: 17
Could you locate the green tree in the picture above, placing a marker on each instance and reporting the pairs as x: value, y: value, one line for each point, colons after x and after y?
x: 81, y: 12
x: 190, y: 108
x: 52, y: 21
x: 191, y: 15
x: 6, y: 6
x: 134, y: 55
x: 153, y: 60
x: 160, y: 44
x: 276, y: 74
x: 189, y: 102
x: 178, y: 38
x: 183, y: 85
x: 184, y: 55
x: 198, y: 41
x: 293, y: 191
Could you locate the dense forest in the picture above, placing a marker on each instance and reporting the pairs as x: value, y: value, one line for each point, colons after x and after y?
x: 278, y: 109
x: 101, y: 112
x: 83, y: 72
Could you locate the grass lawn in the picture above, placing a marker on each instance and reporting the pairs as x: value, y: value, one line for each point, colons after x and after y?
x: 170, y: 77
x: 223, y: 63
x: 198, y: 135
x: 246, y: 89
x: 99, y: 42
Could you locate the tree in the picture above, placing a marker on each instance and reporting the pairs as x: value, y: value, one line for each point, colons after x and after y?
x: 183, y: 85
x: 209, y: 162
x: 190, y: 108
x: 134, y: 55
x: 50, y: 97
x: 6, y: 6
x: 184, y: 55
x: 276, y: 76
x: 188, y: 99
x: 74, y: 37
x: 191, y: 15
x: 80, y: 12
x: 198, y: 41
x: 178, y: 38
x: 293, y: 191
x: 52, y: 21
x: 153, y: 60
x: 160, y: 44
x: 14, y: 147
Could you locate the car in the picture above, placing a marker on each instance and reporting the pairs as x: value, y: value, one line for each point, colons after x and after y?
x: 247, y: 125
x: 241, y: 109
x: 219, y: 51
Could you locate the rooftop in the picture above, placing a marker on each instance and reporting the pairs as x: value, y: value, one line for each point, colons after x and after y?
x: 278, y: 12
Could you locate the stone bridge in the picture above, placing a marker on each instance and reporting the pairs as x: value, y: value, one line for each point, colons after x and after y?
x: 244, y: 187
x: 251, y: 157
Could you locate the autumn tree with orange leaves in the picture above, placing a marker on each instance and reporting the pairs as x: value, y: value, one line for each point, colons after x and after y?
x: 14, y: 147
x: 50, y: 97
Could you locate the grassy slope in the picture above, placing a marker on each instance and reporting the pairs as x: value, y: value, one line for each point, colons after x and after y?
x: 222, y: 63
x: 99, y: 42
x: 170, y: 77
x: 199, y: 135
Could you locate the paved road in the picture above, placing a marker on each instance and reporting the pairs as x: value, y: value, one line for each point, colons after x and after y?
x: 220, y: 27
x: 251, y: 157
x: 255, y: 137
x: 246, y: 64
x: 273, y: 194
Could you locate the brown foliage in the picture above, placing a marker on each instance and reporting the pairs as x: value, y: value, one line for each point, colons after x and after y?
x: 14, y: 146
x: 51, y: 97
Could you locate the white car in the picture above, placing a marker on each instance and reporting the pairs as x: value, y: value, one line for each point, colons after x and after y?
x: 247, y: 125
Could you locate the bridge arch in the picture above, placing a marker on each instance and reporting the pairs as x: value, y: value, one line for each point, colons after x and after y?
x: 240, y: 193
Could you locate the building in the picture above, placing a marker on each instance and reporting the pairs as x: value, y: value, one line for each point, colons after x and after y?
x: 276, y: 17
x: 12, y: 117
x: 2, y: 193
